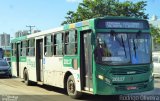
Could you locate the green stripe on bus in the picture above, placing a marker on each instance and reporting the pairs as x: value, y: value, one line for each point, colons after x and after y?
x: 23, y: 59
x: 19, y: 39
x: 13, y: 59
x: 68, y: 61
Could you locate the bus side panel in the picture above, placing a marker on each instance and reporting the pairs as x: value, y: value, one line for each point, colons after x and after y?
x: 76, y: 74
x: 53, y: 72
x: 31, y: 67
x: 22, y: 65
x: 73, y: 68
x: 14, y: 66
x: 21, y: 68
x: 14, y: 69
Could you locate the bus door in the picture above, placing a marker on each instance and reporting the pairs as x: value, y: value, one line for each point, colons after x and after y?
x: 18, y: 46
x: 86, y: 61
x: 39, y: 59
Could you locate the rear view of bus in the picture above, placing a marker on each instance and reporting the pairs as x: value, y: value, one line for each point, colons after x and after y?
x: 122, y: 56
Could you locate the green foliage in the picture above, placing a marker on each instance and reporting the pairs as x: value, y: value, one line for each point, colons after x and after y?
x: 155, y: 33
x: 98, y: 8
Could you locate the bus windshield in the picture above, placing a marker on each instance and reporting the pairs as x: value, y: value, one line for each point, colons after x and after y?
x: 122, y: 48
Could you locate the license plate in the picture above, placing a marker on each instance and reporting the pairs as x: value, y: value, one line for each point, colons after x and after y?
x: 131, y: 87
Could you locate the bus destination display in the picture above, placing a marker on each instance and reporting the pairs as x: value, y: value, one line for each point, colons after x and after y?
x: 122, y: 24
x: 110, y: 24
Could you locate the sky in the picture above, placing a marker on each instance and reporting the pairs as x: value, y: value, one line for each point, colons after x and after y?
x: 45, y: 14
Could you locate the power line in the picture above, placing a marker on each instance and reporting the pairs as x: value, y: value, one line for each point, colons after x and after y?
x: 30, y: 28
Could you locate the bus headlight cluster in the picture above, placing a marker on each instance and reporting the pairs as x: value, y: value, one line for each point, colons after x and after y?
x: 101, y: 77
x: 107, y: 80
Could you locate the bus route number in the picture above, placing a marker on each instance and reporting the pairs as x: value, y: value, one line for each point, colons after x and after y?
x: 118, y: 79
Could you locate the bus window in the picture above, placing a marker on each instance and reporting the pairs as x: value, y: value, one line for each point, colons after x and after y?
x: 71, y: 43
x: 123, y: 48
x: 140, y: 48
x: 48, y: 50
x: 58, y: 44
x: 66, y: 41
x: 24, y: 48
x: 31, y: 48
x: 13, y: 49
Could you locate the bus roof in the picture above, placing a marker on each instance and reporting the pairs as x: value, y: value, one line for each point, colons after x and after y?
x: 72, y: 26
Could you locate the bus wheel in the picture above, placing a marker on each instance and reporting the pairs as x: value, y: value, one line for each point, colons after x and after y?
x: 26, y: 78
x: 71, y: 88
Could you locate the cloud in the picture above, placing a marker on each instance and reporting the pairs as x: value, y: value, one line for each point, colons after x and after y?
x: 73, y: 1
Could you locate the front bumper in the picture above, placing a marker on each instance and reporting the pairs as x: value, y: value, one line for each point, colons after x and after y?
x: 114, y: 89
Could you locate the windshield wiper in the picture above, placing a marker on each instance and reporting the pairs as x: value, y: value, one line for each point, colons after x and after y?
x: 134, y: 47
x: 123, y: 46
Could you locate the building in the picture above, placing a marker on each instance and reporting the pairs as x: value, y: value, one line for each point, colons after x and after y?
x: 36, y: 31
x: 21, y: 33
x: 5, y: 43
x: 24, y: 32
x: 4, y: 39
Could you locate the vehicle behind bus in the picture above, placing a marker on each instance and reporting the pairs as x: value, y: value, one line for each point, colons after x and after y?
x: 1, y: 53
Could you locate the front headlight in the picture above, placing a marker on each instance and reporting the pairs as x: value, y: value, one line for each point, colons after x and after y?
x: 105, y: 79
x: 101, y: 77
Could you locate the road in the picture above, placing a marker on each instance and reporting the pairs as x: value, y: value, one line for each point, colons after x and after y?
x: 16, y: 90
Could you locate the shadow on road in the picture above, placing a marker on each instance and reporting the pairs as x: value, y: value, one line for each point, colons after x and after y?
x: 5, y: 77
x: 88, y: 97
x: 54, y: 89
x: 85, y: 97
x: 100, y: 98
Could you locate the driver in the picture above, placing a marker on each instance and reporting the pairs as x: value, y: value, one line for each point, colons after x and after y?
x: 101, y: 51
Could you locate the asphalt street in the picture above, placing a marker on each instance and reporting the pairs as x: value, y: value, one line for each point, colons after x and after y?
x: 15, y: 90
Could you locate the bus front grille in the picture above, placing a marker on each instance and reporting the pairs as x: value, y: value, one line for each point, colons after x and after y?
x: 124, y: 87
x: 129, y: 71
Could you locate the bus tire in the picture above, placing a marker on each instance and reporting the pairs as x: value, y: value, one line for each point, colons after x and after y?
x: 71, y: 88
x: 26, y: 78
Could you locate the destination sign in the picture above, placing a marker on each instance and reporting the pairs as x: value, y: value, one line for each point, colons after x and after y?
x: 110, y: 24
x: 122, y: 24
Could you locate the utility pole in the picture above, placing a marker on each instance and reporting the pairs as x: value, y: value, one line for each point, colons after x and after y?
x: 30, y: 28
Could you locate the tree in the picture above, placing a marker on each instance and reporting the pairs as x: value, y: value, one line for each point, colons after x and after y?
x: 155, y: 31
x: 98, y: 8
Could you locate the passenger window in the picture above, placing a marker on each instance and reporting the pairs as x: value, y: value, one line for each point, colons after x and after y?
x: 48, y: 51
x: 24, y: 48
x: 71, y: 42
x: 13, y: 49
x: 58, y: 44
x: 31, y: 47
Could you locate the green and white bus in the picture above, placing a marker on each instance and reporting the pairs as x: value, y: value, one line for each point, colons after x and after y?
x: 103, y: 56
